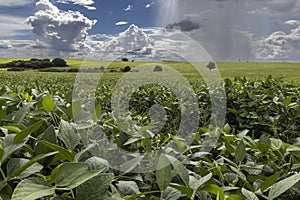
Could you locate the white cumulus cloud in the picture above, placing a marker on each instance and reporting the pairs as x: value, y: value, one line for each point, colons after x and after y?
x: 85, y: 3
x: 24, y: 48
x: 148, y: 5
x: 272, y: 7
x: 11, y: 3
x: 132, y: 39
x: 280, y: 45
x: 144, y: 44
x: 128, y: 8
x: 64, y: 30
x: 121, y: 23
x: 12, y: 25
x: 5, y: 44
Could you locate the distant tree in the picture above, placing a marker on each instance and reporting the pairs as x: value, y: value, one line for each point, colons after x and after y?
x: 125, y: 59
x: 35, y: 59
x: 46, y: 64
x: 52, y: 70
x: 73, y: 70
x: 157, y: 68
x: 126, y: 69
x: 102, y: 68
x: 16, y: 69
x: 32, y: 65
x: 59, y: 62
x: 211, y: 65
x: 21, y: 64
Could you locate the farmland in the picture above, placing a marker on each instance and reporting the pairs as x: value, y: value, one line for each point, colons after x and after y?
x: 49, y: 151
x: 253, y: 71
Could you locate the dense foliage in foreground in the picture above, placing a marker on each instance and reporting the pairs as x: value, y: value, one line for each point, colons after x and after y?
x: 44, y: 155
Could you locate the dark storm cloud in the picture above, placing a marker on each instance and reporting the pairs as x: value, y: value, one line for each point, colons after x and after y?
x: 184, y: 25
x: 238, y: 29
x: 279, y: 5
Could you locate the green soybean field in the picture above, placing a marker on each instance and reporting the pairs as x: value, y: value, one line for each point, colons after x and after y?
x: 45, y: 153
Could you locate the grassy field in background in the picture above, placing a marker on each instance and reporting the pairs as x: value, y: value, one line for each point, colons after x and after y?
x: 251, y: 70
x: 254, y: 71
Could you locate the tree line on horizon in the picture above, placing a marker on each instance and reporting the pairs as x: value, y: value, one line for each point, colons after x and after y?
x: 34, y: 63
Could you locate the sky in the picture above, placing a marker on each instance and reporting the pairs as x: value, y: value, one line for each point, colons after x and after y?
x: 227, y: 30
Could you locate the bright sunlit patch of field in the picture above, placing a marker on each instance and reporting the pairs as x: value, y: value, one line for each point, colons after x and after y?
x: 259, y: 70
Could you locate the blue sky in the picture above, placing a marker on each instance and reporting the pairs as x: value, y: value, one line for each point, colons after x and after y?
x: 107, y: 13
x: 229, y: 30
x: 110, y: 12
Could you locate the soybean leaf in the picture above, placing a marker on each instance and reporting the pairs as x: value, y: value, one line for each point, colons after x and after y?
x: 137, y: 196
x: 2, y: 114
x: 48, y: 103
x: 16, y: 163
x: 269, y: 181
x: 183, y: 189
x: 81, y: 154
x: 32, y: 161
x: 49, y: 136
x: 163, y: 172
x: 24, y: 133
x: 71, y: 175
x: 235, y: 197
x: 264, y: 143
x: 68, y: 155
x: 9, y: 150
x: 32, y: 169
x: 130, y: 165
x: 214, y: 189
x: 180, y: 169
x: 67, y: 172
x: 127, y: 188
x: 276, y: 144
x: 74, y: 109
x: 240, y: 152
x: 3, y: 184
x: 1, y: 152
x: 249, y: 195
x: 131, y: 140
x: 294, y: 150
x: 13, y: 129
x: 95, y: 188
x: 22, y: 113
x: 171, y: 194
x: 97, y: 163
x: 197, y: 183
x: 32, y: 188
x: 69, y: 135
x: 97, y: 112
x: 57, y: 198
x: 282, y: 186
